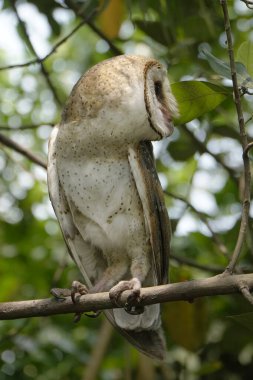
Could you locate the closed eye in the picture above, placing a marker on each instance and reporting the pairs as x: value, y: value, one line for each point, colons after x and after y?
x: 159, y: 91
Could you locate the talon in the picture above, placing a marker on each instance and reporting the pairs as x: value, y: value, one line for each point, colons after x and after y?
x: 60, y: 293
x: 114, y: 297
x: 94, y: 315
x: 133, y: 298
x: 134, y: 285
x: 134, y: 310
x: 132, y: 305
x: 77, y: 317
x: 77, y: 289
x: 74, y: 296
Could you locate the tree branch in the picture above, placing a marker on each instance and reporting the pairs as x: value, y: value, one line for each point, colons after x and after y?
x: 246, y: 292
x: 184, y: 291
x: 79, y: 12
x: 202, y: 148
x: 248, y: 3
x: 244, y: 140
x: 29, y: 42
x: 24, y: 127
x: 51, y: 52
x: 191, y: 263
x: 18, y: 148
x: 202, y: 217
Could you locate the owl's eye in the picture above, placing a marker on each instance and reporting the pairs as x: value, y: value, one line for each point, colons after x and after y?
x: 158, y: 91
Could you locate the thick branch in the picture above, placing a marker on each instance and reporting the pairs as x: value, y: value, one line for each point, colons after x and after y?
x: 247, y: 175
x: 186, y: 291
x: 18, y: 148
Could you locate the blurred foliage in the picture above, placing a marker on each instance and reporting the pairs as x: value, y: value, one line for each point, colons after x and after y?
x: 201, y: 162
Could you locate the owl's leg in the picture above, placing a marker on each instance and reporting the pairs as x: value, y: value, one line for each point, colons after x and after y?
x: 114, y: 272
x: 139, y: 270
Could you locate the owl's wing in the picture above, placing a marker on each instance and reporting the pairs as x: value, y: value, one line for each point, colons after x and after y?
x: 70, y: 233
x: 142, y: 165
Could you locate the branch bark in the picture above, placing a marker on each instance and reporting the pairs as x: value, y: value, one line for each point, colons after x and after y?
x: 244, y: 140
x: 184, y: 291
x: 18, y: 148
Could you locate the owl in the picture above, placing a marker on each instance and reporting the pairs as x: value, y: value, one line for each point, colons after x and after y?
x: 105, y: 191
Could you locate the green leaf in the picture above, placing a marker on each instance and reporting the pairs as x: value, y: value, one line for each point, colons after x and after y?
x: 245, y: 320
x: 245, y: 55
x: 196, y: 98
x: 222, y: 68
x: 219, y: 66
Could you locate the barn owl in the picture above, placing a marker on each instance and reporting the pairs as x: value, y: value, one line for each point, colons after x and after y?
x: 105, y: 190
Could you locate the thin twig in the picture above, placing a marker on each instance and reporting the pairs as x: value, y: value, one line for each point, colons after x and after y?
x: 202, y: 148
x: 215, y: 237
x: 42, y: 67
x: 248, y: 3
x: 244, y: 289
x: 113, y: 47
x: 247, y: 175
x: 24, y: 127
x: 247, y: 149
x: 249, y: 119
x: 184, y: 291
x: 186, y: 261
x: 79, y: 12
x: 51, y: 52
x: 20, y: 149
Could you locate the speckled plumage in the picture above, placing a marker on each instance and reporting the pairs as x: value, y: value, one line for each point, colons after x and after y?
x: 104, y: 188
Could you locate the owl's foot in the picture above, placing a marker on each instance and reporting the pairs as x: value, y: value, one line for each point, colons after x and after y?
x: 60, y: 293
x: 131, y: 306
x: 77, y: 290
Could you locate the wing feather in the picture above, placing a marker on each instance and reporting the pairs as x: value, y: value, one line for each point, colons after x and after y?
x: 70, y: 233
x: 151, y: 194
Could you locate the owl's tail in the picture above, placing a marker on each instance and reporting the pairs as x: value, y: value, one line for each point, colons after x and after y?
x: 149, y: 342
x: 142, y: 331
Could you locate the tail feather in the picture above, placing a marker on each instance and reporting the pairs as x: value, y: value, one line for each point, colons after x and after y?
x: 149, y: 342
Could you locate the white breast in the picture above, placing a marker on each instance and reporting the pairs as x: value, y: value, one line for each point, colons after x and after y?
x: 104, y: 201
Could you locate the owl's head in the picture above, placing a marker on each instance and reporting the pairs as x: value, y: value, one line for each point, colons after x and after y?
x: 127, y: 97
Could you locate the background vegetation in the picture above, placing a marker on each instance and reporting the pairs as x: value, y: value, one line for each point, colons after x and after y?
x: 201, y: 170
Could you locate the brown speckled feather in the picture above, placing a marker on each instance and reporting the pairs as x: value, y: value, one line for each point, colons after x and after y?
x: 150, y: 191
